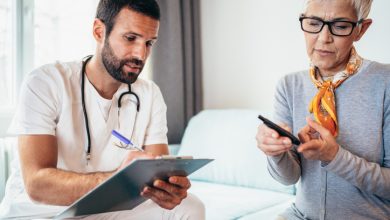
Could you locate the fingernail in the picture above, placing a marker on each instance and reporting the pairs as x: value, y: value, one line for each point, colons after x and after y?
x: 172, y: 180
x: 273, y: 135
x: 286, y: 141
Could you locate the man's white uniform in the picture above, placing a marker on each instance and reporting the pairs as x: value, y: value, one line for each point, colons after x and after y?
x: 50, y: 103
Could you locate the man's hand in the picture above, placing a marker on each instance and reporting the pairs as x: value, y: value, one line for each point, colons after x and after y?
x: 318, y: 142
x: 270, y: 142
x: 168, y: 194
x: 131, y: 155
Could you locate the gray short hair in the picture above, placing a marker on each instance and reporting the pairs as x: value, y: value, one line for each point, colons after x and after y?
x: 362, y: 7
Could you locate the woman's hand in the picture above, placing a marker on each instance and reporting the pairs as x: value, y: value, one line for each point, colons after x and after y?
x: 270, y: 142
x: 317, y: 142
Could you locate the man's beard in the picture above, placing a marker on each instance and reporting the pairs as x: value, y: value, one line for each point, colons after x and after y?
x: 114, y: 65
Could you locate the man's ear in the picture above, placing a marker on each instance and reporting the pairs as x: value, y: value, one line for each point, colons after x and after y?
x: 364, y: 26
x: 99, y: 30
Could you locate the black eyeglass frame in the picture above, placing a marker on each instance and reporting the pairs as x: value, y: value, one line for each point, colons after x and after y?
x: 329, y: 24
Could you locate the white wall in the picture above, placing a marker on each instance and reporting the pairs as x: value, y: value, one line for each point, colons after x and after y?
x: 248, y: 45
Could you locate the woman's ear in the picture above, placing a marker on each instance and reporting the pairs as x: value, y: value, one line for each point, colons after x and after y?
x: 99, y: 30
x: 364, y: 26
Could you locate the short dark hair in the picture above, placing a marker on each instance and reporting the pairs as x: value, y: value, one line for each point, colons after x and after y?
x: 107, y: 10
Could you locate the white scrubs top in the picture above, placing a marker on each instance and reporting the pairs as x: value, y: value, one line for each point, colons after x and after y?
x: 50, y: 103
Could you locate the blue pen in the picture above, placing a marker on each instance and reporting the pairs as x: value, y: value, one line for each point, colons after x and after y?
x: 127, y: 142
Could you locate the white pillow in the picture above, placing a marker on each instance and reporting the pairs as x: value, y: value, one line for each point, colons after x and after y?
x: 228, y: 136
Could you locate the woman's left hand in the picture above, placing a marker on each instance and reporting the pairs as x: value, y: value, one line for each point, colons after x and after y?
x: 317, y: 142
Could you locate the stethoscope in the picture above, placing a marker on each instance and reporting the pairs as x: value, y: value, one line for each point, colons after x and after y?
x: 129, y: 92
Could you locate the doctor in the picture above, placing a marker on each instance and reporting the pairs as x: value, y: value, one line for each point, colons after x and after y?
x: 66, y: 114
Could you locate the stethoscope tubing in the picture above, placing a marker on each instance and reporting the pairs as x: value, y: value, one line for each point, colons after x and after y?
x: 83, y: 73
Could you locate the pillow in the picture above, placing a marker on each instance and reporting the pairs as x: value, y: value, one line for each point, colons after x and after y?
x: 228, y: 136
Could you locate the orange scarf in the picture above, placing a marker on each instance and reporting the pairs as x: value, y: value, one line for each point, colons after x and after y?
x: 323, y: 105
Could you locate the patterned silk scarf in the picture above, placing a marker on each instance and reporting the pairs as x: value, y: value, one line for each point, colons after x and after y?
x: 323, y: 105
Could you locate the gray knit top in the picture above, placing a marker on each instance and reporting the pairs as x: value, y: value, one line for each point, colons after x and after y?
x: 356, y: 184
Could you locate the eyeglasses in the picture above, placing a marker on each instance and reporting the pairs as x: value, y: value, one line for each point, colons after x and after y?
x: 337, y: 28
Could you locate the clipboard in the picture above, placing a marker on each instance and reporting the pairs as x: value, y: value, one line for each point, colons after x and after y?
x: 122, y: 190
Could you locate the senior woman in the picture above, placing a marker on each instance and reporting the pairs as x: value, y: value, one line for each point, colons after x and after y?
x: 340, y: 109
